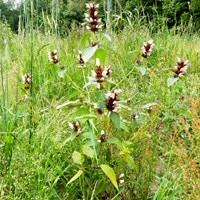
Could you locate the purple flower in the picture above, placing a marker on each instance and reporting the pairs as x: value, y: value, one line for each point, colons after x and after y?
x: 147, y: 48
x: 26, y: 79
x: 99, y: 75
x: 112, y: 103
x: 181, y: 67
x: 102, y: 137
x: 52, y: 56
x: 92, y: 19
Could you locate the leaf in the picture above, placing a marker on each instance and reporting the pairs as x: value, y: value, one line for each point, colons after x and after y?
x: 110, y: 174
x: 88, y: 52
x: 77, y: 175
x: 69, y: 103
x: 101, y: 54
x: 115, y: 119
x: 142, y: 70
x: 112, y: 141
x: 84, y: 39
x: 81, y: 111
x: 171, y: 81
x: 88, y: 151
x: 77, y: 158
x: 107, y: 37
x: 61, y: 73
x: 86, y: 117
x: 100, y: 99
x: 148, y: 105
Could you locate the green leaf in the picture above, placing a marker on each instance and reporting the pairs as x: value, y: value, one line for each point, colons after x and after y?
x: 81, y: 111
x: 148, y: 105
x: 88, y: 151
x: 88, y: 52
x: 77, y: 158
x: 77, y: 175
x: 112, y: 141
x: 86, y: 117
x: 115, y: 119
x: 142, y: 70
x: 101, y: 54
x: 107, y: 37
x: 100, y: 99
x: 110, y: 174
x: 61, y: 73
x: 171, y: 81
x: 84, y: 39
x: 124, y: 127
x: 69, y: 103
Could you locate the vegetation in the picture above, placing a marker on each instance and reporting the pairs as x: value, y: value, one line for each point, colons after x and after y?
x: 67, y: 12
x: 100, y: 113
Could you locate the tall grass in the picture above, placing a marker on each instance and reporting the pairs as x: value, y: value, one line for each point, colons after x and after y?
x: 158, y: 152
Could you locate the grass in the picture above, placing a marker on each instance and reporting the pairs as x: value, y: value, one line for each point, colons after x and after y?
x: 158, y: 152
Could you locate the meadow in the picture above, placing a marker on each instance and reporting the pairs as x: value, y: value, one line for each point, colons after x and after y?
x: 91, y: 116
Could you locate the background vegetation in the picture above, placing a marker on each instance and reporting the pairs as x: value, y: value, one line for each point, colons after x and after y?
x: 67, y: 12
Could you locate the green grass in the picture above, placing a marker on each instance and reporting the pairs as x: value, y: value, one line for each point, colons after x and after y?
x: 158, y: 152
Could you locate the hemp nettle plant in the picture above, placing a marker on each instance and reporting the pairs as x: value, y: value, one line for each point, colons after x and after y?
x: 97, y: 121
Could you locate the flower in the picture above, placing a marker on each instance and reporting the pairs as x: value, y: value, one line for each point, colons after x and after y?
x: 52, y: 55
x: 92, y: 19
x: 120, y: 180
x: 112, y: 103
x: 181, y: 67
x: 147, y: 48
x: 26, y: 79
x: 102, y: 137
x: 99, y: 75
x: 74, y: 126
x: 80, y: 60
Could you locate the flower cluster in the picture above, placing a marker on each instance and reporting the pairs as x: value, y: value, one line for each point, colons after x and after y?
x: 80, y: 60
x: 120, y: 180
x: 99, y: 75
x: 181, y: 67
x: 147, y: 48
x: 112, y: 103
x: 26, y: 79
x: 102, y: 137
x: 52, y: 55
x: 73, y: 126
x: 92, y: 19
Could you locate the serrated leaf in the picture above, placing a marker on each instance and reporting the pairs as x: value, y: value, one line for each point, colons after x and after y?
x: 115, y: 119
x: 142, y: 70
x: 61, y: 73
x: 88, y: 151
x: 107, y: 37
x: 110, y: 174
x: 171, y: 81
x: 88, y: 52
x: 84, y: 38
x: 77, y: 175
x: 101, y: 54
x: 77, y: 157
